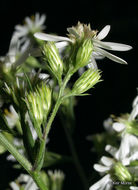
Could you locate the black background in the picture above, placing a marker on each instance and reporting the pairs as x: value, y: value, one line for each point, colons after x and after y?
x: 112, y: 96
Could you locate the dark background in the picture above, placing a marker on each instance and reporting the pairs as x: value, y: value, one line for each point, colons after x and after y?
x: 112, y: 96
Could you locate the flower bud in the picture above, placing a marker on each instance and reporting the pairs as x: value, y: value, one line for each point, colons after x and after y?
x: 84, y: 53
x: 52, y: 56
x: 39, y: 104
x: 56, y: 179
x: 86, y: 81
x: 121, y: 172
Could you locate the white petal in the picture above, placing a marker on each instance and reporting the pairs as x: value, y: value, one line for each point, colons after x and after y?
x: 104, y: 32
x: 108, y: 124
x: 135, y: 101
x: 92, y: 64
x: 133, y: 157
x: 60, y: 45
x: 41, y: 20
x: 29, y: 22
x: 23, y: 178
x: 134, y: 113
x: 101, y: 184
x: 117, y: 46
x: 124, y: 148
x: 118, y: 126
x: 13, y: 45
x: 133, y: 188
x: 81, y: 71
x: 112, y: 45
x: 72, y: 31
x: 97, y: 55
x: 107, y: 161
x: 49, y: 37
x: 14, y: 186
x: 110, y: 56
x: 112, y: 150
x: 101, y: 168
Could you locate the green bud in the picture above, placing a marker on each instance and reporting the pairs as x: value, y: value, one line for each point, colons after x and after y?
x: 39, y: 104
x: 86, y: 81
x: 52, y: 56
x: 84, y: 53
x: 121, y: 172
x: 56, y: 179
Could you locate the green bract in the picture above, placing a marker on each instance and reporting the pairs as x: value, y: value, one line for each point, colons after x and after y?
x: 39, y: 104
x: 84, y: 53
x: 121, y: 172
x: 51, y: 55
x: 87, y: 80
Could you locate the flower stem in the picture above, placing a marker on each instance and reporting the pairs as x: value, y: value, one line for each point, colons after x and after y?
x: 48, y: 127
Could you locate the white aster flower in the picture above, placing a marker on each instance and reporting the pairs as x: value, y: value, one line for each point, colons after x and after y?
x: 15, y: 49
x: 23, y: 178
x: 121, y: 124
x: 32, y: 25
x: 98, y: 45
x: 24, y: 34
x: 11, y: 117
x: 128, y: 150
x: 103, y: 184
x: 133, y: 188
x: 108, y: 125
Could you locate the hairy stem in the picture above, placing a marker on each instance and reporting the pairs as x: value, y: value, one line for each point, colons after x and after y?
x: 54, y: 112
x: 23, y: 161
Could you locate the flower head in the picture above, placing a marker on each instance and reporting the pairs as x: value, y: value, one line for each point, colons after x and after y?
x: 82, y: 32
x: 31, y: 25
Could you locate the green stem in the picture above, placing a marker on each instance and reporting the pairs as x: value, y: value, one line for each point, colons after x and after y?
x: 48, y: 127
x: 37, y: 178
x: 59, y: 100
x: 23, y: 161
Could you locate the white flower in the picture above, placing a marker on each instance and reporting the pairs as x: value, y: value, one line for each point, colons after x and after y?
x: 31, y: 25
x: 11, y: 117
x: 108, y: 124
x: 134, y: 112
x: 24, y: 33
x: 56, y: 175
x: 23, y: 178
x: 98, y: 45
x: 133, y: 188
x: 103, y: 184
x: 15, y: 49
x: 121, y: 125
x: 128, y: 150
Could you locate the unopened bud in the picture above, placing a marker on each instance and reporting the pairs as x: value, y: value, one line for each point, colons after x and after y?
x: 56, y: 179
x: 52, y: 56
x: 84, y: 53
x: 87, y: 80
x: 121, y: 172
x: 39, y: 104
